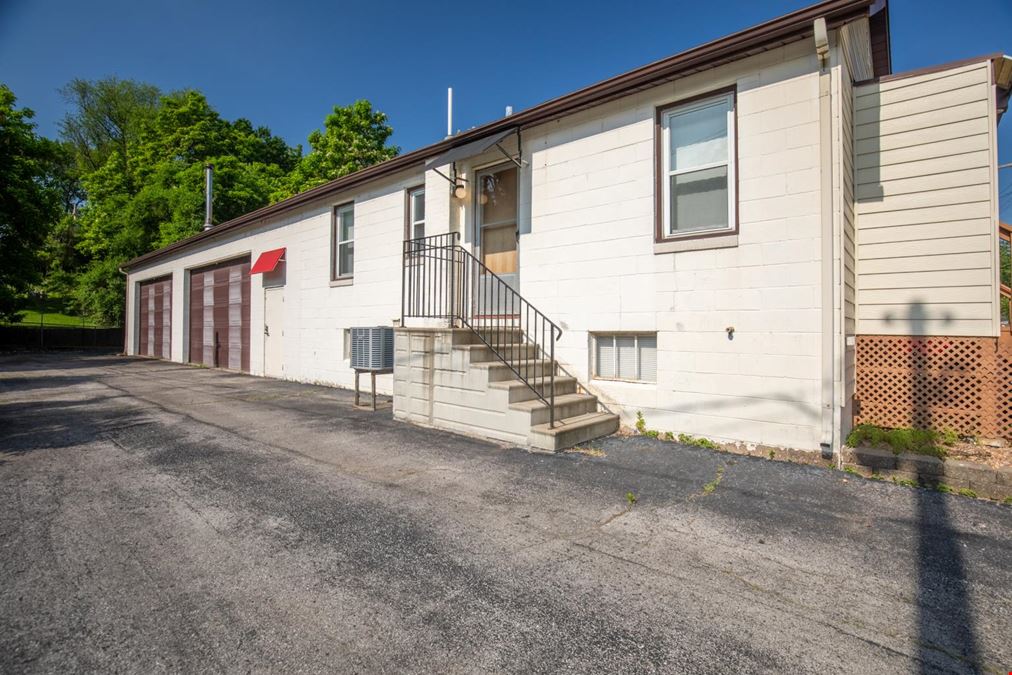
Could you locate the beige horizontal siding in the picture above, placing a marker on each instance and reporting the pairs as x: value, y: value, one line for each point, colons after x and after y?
x: 923, y: 184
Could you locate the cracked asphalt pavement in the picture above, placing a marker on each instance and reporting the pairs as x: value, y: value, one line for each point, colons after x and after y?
x: 157, y: 517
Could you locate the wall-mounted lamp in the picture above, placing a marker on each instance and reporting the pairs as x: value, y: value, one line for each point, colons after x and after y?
x: 460, y: 191
x: 730, y: 332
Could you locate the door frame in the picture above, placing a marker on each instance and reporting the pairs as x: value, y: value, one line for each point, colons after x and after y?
x: 139, y: 299
x: 223, y: 262
x: 476, y: 227
x: 269, y: 289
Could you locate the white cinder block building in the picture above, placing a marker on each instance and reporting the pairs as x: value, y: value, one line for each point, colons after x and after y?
x: 701, y: 240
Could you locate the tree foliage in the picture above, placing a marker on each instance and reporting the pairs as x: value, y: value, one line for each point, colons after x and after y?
x: 29, y: 201
x: 353, y: 137
x: 128, y: 177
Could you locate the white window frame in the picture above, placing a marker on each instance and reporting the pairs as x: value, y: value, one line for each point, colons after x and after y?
x: 413, y: 221
x: 335, y: 270
x: 667, y: 115
x: 613, y: 337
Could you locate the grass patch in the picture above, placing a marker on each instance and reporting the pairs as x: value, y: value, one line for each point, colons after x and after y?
x: 684, y: 439
x: 31, y: 318
x: 712, y: 485
x: 918, y: 441
x: 698, y: 442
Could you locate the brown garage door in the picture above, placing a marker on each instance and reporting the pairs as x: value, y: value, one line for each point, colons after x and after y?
x: 219, y: 315
x: 154, y: 321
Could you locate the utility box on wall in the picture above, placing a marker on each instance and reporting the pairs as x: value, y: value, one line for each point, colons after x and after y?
x: 372, y: 348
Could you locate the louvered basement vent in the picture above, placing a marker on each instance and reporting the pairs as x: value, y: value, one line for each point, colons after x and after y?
x: 372, y: 348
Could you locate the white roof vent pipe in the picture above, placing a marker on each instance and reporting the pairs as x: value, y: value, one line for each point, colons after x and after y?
x: 509, y: 110
x: 208, y: 185
x: 449, y: 111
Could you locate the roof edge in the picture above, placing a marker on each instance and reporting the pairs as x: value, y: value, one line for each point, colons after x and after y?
x: 793, y: 24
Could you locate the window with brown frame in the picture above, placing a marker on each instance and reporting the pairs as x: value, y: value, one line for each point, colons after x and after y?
x: 342, y: 242
x: 696, y: 167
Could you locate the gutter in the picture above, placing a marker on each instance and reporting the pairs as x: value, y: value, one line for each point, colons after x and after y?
x: 782, y: 30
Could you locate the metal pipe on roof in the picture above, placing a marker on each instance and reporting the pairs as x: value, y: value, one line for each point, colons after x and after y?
x: 208, y: 184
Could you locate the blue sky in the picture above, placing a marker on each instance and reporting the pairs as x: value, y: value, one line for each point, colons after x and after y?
x: 284, y: 64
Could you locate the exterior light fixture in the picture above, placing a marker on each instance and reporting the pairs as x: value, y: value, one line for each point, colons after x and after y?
x: 459, y: 190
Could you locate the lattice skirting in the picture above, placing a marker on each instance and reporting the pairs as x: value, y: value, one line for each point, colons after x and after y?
x: 959, y: 383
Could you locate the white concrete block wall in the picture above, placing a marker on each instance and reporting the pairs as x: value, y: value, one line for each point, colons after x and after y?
x: 589, y: 263
x: 316, y: 311
x: 587, y: 260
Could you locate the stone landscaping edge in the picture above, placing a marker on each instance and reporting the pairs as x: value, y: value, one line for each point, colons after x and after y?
x: 930, y: 472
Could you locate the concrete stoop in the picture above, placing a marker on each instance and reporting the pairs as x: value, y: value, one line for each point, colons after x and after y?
x: 449, y: 379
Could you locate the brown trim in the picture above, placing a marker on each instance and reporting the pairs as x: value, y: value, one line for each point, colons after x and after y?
x: 928, y: 70
x: 881, y: 49
x: 659, y: 235
x: 334, y: 276
x: 407, y: 209
x: 771, y: 34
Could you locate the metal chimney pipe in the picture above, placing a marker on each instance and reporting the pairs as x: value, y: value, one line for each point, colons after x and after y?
x: 208, y: 189
x: 449, y: 111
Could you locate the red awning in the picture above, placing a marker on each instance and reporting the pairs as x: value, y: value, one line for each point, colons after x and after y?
x: 267, y: 261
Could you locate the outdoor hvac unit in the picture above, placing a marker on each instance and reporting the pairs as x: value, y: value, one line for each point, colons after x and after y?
x: 372, y: 348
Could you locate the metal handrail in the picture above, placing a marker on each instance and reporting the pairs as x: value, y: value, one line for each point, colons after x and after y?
x: 442, y: 280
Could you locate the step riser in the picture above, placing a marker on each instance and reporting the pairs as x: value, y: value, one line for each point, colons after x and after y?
x: 575, y: 437
x: 541, y: 416
x: 465, y: 336
x: 520, y: 394
x: 511, y: 353
x: 500, y: 372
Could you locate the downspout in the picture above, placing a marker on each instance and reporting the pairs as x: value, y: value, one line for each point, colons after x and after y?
x: 126, y: 309
x: 828, y: 390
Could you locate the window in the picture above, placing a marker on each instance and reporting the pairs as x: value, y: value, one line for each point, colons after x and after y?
x: 626, y: 357
x: 416, y: 213
x: 344, y: 242
x: 697, y: 167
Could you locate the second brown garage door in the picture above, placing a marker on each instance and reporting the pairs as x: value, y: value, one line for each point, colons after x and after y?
x: 154, y: 320
x: 219, y: 315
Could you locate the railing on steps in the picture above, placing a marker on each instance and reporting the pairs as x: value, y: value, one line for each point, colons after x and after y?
x: 442, y: 280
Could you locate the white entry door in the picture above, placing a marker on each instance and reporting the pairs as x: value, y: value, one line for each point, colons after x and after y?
x: 274, y: 331
x: 496, y: 225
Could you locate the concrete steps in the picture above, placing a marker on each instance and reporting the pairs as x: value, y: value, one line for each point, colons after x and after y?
x: 577, y: 419
x: 450, y: 378
x: 571, y: 431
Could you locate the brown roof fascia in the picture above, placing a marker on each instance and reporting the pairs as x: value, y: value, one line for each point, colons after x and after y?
x: 927, y: 70
x: 786, y: 28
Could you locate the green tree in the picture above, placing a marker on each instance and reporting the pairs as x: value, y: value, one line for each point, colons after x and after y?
x: 149, y: 191
x: 353, y: 138
x: 29, y: 202
x: 106, y: 116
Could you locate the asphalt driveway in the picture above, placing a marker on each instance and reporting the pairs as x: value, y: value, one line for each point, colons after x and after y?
x: 158, y: 517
